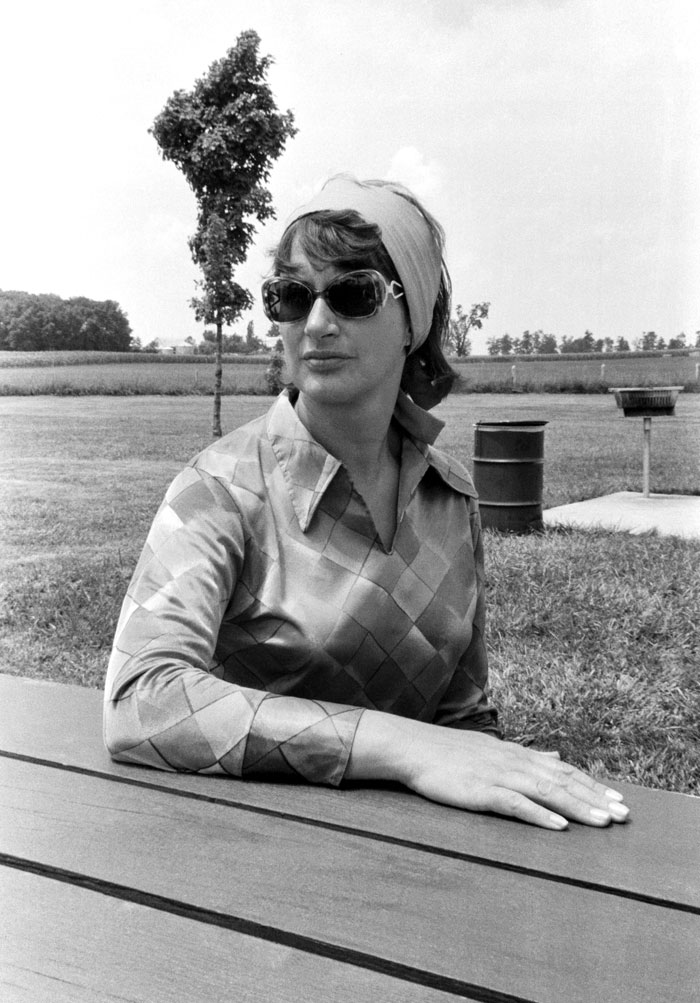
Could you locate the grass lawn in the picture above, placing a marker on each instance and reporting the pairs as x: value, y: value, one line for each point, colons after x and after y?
x: 594, y: 637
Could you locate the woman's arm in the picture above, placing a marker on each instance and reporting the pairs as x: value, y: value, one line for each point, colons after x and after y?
x: 165, y: 705
x: 476, y: 771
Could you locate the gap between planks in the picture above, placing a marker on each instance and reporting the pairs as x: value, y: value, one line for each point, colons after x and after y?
x: 260, y: 931
x: 429, y: 848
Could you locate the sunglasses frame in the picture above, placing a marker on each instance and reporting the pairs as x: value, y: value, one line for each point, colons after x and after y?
x: 381, y: 286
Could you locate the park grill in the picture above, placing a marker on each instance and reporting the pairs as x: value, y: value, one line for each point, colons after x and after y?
x: 646, y: 403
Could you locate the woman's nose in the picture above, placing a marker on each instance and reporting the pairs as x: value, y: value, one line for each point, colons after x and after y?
x: 321, y: 320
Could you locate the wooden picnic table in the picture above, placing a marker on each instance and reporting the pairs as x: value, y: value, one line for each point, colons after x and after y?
x: 124, y: 883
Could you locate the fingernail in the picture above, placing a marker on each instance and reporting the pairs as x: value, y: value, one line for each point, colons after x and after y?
x: 599, y: 815
x: 613, y: 795
x: 558, y: 821
x: 618, y: 811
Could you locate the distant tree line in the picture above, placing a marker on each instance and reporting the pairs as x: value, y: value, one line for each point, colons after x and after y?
x: 42, y: 322
x: 539, y: 343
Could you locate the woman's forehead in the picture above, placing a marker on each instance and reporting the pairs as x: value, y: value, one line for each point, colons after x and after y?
x: 302, y: 266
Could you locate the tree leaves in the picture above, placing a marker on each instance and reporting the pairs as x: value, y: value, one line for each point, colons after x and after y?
x: 45, y: 322
x: 224, y: 135
x: 460, y: 328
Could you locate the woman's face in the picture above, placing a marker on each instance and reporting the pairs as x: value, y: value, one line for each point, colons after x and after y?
x: 333, y: 360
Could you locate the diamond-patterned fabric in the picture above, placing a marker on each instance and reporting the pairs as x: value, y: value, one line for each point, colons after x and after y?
x: 264, y: 614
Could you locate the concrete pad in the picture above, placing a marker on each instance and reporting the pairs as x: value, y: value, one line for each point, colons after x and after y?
x: 631, y: 512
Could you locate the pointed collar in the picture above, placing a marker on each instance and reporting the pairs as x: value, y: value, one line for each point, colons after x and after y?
x: 308, y: 468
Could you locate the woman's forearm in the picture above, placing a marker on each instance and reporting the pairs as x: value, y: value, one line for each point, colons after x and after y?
x: 187, y: 719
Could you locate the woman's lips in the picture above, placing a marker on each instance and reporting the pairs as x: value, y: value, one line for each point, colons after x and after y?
x: 324, y: 360
x: 324, y: 355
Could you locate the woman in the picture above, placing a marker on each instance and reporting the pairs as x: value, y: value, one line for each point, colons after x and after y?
x: 310, y: 598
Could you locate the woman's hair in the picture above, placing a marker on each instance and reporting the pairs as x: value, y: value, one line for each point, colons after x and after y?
x: 343, y: 238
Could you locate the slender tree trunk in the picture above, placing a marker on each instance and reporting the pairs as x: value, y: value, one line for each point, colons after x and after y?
x: 216, y: 425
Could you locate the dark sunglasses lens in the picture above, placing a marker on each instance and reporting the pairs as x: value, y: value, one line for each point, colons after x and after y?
x: 287, y: 300
x: 353, y: 296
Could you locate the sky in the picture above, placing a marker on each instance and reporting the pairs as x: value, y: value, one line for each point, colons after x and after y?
x: 558, y: 142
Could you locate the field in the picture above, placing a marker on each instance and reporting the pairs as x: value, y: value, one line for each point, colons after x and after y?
x: 128, y: 379
x: 75, y: 373
x: 593, y: 636
x: 581, y: 375
x: 39, y: 360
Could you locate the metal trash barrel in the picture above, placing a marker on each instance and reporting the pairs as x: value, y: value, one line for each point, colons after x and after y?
x: 508, y: 474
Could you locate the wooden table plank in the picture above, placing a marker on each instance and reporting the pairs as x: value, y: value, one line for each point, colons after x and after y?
x: 63, y: 724
x: 62, y: 943
x: 532, y: 939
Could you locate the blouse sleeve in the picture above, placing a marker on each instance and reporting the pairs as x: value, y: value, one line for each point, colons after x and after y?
x: 165, y: 705
x: 465, y: 703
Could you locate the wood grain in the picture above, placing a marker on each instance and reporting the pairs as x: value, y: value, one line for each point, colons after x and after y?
x: 64, y: 724
x: 480, y: 926
x: 68, y: 945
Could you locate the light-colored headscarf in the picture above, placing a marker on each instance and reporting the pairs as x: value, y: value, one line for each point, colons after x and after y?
x: 406, y: 235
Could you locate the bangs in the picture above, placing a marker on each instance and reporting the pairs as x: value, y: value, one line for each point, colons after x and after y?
x: 339, y: 238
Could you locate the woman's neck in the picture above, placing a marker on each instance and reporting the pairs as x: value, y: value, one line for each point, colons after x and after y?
x: 362, y: 438
x: 368, y: 444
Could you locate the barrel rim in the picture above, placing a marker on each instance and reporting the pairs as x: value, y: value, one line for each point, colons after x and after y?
x: 531, y: 461
x: 510, y: 424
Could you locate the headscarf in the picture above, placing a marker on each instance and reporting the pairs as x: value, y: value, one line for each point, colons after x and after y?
x: 412, y: 246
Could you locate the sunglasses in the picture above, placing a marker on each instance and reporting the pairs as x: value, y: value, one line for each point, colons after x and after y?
x: 354, y: 296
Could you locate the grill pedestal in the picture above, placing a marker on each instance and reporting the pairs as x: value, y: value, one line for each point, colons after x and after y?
x: 646, y: 402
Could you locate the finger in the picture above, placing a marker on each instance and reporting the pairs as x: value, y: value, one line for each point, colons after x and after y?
x: 581, y: 785
x: 515, y: 805
x: 592, y: 792
x: 600, y: 789
x: 570, y: 799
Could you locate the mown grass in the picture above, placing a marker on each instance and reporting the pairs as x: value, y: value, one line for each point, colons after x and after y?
x: 595, y: 651
x: 594, y: 637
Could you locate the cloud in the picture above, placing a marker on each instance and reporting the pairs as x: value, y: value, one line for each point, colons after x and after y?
x: 408, y: 165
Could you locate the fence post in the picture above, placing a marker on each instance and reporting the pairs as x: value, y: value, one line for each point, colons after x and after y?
x: 512, y: 371
x: 646, y: 455
x: 602, y: 371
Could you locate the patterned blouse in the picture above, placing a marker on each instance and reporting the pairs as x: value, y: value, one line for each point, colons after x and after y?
x: 265, y: 614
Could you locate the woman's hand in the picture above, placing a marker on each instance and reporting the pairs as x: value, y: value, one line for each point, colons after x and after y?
x: 475, y: 771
